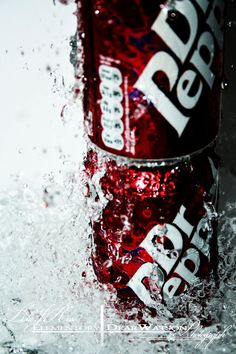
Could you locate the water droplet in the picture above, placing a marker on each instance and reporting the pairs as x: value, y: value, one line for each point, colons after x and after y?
x: 224, y: 84
x: 173, y: 254
x: 48, y: 68
x: 231, y: 24
x: 126, y: 259
x: 172, y: 15
x: 107, y: 264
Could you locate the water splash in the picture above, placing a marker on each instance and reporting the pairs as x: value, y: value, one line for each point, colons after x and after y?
x: 48, y: 282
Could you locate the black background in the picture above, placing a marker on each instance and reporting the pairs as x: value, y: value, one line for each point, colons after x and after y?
x: 227, y: 138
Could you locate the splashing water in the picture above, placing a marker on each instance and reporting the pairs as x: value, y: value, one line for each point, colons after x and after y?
x: 51, y: 301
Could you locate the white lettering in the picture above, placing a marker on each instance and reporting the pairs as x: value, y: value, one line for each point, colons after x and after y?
x: 216, y: 23
x: 137, y: 285
x: 160, y: 255
x: 184, y: 86
x: 162, y: 28
x: 111, y: 107
x: 191, y: 255
x: 205, y: 43
x: 165, y: 63
x: 182, y: 223
x: 171, y: 286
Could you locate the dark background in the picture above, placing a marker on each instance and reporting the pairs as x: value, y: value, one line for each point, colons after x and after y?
x: 227, y: 138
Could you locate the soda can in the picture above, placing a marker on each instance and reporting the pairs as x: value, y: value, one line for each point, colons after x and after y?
x: 155, y: 234
x: 152, y: 75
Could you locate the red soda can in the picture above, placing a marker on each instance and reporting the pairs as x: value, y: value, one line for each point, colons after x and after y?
x: 156, y: 233
x: 152, y: 74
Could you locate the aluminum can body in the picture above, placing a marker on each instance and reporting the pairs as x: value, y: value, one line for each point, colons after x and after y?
x: 152, y: 74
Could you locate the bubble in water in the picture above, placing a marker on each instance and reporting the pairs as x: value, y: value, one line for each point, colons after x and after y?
x: 173, y: 254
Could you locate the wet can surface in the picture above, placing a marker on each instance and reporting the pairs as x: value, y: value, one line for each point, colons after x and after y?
x: 156, y: 231
x: 152, y: 75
